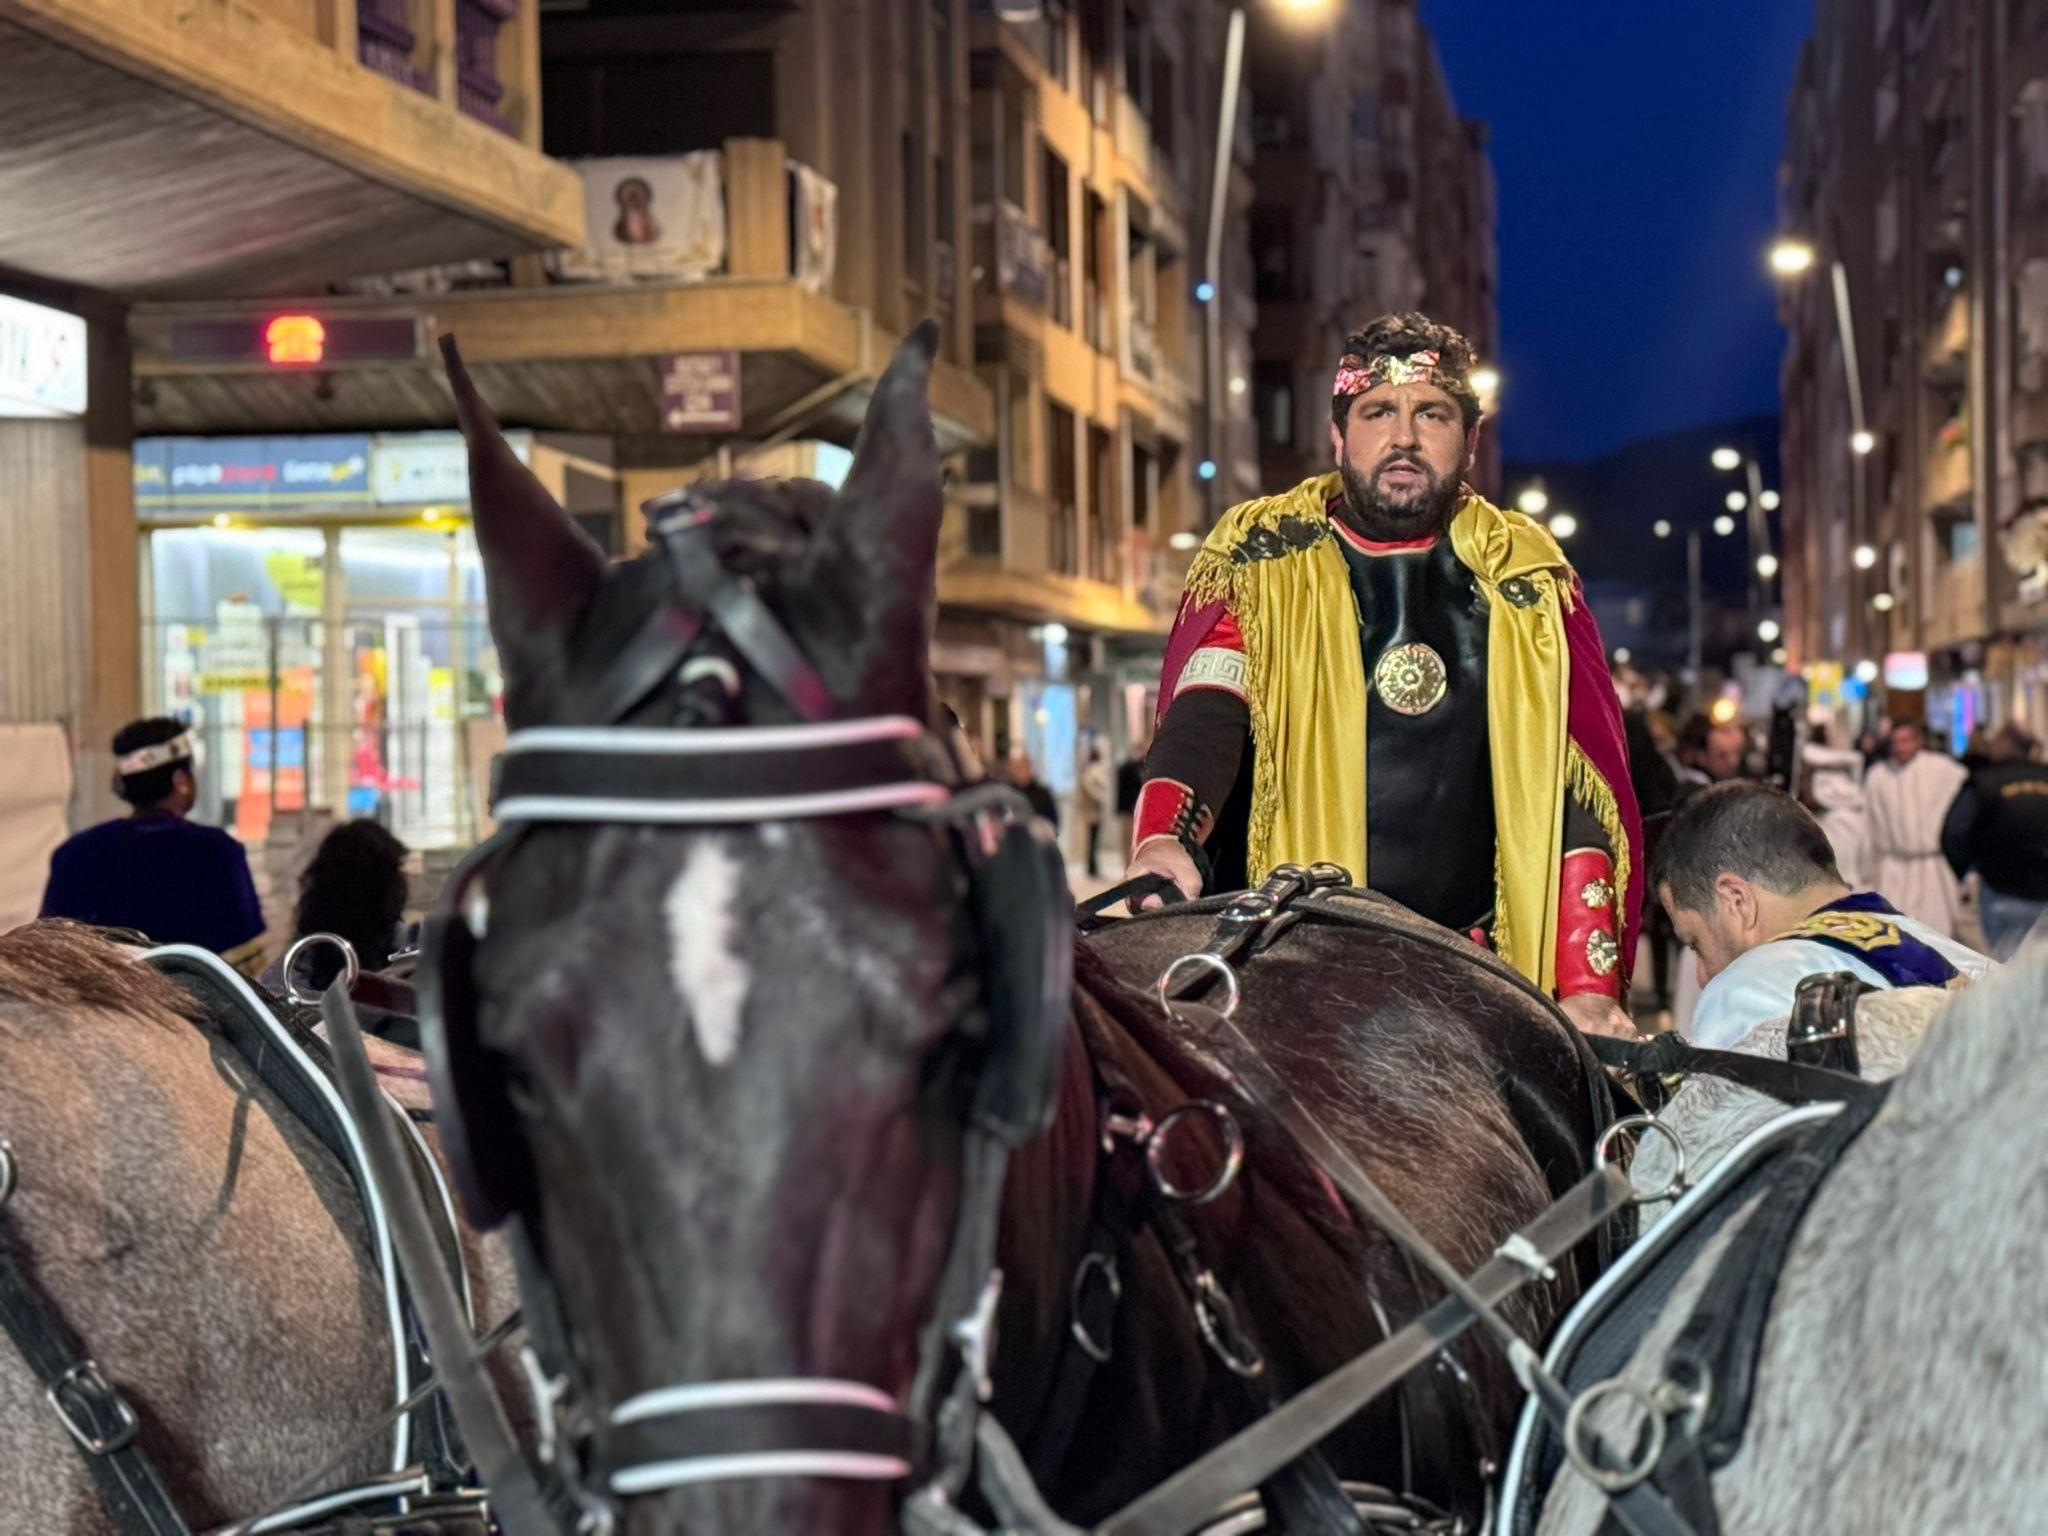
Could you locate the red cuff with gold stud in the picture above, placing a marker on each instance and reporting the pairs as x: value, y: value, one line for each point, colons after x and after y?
x: 1588, y: 926
x: 1168, y: 809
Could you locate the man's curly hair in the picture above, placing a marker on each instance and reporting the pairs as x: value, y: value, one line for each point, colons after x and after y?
x: 1407, y: 332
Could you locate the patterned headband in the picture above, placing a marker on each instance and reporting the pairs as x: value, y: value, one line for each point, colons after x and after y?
x: 1356, y: 375
x: 177, y: 750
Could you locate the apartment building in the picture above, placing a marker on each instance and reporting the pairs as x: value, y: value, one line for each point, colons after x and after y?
x: 1917, y: 173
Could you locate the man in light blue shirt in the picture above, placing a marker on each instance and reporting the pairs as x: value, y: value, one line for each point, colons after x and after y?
x: 1750, y: 882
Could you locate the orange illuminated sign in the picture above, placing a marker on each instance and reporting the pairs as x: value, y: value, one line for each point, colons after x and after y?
x: 295, y: 339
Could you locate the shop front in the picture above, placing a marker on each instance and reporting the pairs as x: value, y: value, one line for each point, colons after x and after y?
x: 314, y: 606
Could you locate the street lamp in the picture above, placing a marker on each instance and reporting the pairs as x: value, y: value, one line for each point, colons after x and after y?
x: 1769, y: 501
x: 1735, y: 501
x: 1866, y: 671
x: 1865, y: 557
x: 1767, y: 631
x: 1563, y: 526
x: 1485, y: 384
x: 1767, y: 566
x: 1790, y: 257
x: 1724, y: 525
x: 1534, y: 500
x: 1882, y: 602
x: 1862, y: 441
x: 1661, y: 528
x: 1727, y: 459
x: 1219, y: 197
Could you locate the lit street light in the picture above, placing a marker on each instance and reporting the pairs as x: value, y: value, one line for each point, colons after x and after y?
x: 1866, y: 671
x: 1661, y: 528
x: 1863, y: 441
x: 1769, y: 501
x: 1778, y: 657
x: 1865, y: 557
x: 1563, y: 526
x: 1183, y: 540
x: 1883, y: 602
x: 1735, y: 501
x: 1534, y: 500
x: 1789, y: 258
x: 1727, y: 458
x: 1485, y: 383
x: 1768, y: 631
x: 1724, y: 525
x: 1767, y: 566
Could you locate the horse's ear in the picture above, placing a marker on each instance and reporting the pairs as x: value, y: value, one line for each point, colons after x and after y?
x: 883, y: 530
x: 540, y: 570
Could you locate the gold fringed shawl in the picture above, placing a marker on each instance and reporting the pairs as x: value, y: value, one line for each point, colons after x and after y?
x: 1307, y: 691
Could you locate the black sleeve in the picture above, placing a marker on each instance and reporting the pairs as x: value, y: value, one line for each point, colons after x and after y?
x: 1201, y: 744
x: 1957, y: 827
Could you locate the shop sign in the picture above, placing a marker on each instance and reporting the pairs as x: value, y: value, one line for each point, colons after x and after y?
x: 430, y: 468
x: 251, y: 474
x: 1905, y: 670
x: 42, y: 360
x: 700, y: 392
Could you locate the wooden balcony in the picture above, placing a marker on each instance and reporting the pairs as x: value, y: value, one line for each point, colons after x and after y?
x: 575, y: 356
x: 175, y: 148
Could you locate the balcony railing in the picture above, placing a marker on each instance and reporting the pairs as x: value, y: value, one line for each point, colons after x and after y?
x: 1022, y: 255
x: 385, y: 42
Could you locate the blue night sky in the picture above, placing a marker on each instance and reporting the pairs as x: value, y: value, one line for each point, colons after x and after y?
x: 1636, y: 144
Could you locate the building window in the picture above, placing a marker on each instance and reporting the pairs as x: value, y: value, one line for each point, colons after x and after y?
x: 1062, y: 510
x: 1273, y: 404
x: 1056, y: 221
x: 1273, y: 253
x: 1163, y: 100
x: 1137, y: 60
x: 1095, y: 326
x: 1057, y: 35
x: 1105, y: 516
x: 914, y: 238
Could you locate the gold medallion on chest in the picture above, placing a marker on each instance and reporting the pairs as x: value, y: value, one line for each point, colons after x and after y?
x: 1410, y: 679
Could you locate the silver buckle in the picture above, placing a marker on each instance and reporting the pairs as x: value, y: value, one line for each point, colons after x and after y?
x: 78, y: 1394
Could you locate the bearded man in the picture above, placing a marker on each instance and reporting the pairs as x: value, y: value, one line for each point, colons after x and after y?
x: 1381, y: 670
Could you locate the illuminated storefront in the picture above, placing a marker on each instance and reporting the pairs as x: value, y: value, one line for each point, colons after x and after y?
x: 315, y: 607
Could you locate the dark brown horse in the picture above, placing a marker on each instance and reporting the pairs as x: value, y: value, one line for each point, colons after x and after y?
x: 737, y: 1056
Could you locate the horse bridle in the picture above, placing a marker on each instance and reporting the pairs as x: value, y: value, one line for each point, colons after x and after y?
x: 608, y: 772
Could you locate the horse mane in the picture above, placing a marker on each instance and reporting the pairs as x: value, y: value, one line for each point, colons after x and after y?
x: 1989, y: 1035
x: 52, y: 968
x: 1270, y: 1148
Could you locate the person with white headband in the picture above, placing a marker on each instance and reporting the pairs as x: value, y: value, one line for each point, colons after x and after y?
x: 153, y: 870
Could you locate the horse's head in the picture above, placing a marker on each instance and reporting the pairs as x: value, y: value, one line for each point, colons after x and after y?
x: 710, y: 1011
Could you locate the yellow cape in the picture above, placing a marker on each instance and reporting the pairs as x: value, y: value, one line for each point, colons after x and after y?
x: 1307, y: 690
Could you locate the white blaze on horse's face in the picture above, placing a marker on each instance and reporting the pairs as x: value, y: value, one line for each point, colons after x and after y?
x: 707, y: 971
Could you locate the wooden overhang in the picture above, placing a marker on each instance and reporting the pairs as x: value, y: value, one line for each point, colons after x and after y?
x: 166, y: 148
x: 568, y: 358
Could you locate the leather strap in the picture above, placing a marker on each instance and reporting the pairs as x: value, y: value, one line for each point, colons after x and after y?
x: 1248, y: 1458
x: 102, y: 1425
x: 1789, y: 1082
x: 680, y: 521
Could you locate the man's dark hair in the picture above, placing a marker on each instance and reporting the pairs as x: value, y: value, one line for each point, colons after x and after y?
x: 1692, y: 737
x: 151, y: 787
x: 1409, y: 332
x: 1741, y: 828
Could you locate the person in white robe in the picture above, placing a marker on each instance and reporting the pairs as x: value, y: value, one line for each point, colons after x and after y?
x: 1749, y: 879
x: 1908, y: 796
x: 1834, y: 790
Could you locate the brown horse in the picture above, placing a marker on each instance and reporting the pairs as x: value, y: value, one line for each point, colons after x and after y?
x: 736, y: 1057
x: 206, y: 1249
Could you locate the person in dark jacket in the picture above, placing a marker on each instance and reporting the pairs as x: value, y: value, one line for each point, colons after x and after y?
x: 168, y: 878
x: 1998, y: 826
x: 1026, y: 782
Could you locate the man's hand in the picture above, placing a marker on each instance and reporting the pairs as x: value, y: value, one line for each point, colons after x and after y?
x: 1165, y: 856
x: 1595, y: 1013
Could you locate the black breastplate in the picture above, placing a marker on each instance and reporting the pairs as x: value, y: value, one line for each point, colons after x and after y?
x: 1428, y: 771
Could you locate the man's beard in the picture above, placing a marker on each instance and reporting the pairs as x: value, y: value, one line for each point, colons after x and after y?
x: 1424, y: 512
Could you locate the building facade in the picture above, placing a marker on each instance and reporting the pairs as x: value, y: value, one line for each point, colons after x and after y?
x: 1374, y: 194
x: 167, y: 152
x: 1917, y: 160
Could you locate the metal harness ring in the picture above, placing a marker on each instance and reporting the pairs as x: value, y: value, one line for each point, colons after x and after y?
x: 1093, y: 1262
x: 1215, y: 1316
x: 1215, y: 963
x: 350, y: 970
x: 1604, y: 1147
x: 9, y: 1173
x: 1650, y: 1450
x: 1233, y: 1153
